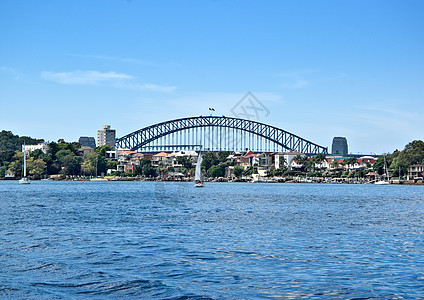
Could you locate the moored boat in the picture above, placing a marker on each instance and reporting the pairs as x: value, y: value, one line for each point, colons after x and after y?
x: 24, y: 179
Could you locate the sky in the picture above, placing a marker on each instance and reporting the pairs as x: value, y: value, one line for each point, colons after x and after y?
x: 318, y: 69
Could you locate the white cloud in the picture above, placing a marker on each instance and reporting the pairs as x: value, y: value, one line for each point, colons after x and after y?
x: 147, y: 87
x: 84, y: 77
x: 10, y: 71
x: 118, y: 59
x: 113, y: 79
x: 295, y: 79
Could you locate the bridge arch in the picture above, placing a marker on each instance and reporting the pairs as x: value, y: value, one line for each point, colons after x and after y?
x: 286, y: 140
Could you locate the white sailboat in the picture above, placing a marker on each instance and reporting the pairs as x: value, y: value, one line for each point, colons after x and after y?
x: 24, y: 179
x: 98, y: 178
x: 198, y: 182
x: 385, y: 181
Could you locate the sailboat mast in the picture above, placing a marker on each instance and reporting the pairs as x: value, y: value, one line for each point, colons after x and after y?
x: 24, y: 161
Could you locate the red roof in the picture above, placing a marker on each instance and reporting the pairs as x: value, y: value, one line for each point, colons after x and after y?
x: 250, y: 154
x: 162, y: 154
x: 127, y: 152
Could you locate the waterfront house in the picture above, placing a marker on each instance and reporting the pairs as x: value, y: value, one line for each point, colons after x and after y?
x: 235, y: 157
x: 416, y: 172
x: 174, y: 158
x: 246, y: 160
x: 162, y: 159
x: 242, y: 159
x: 128, y: 160
x: 287, y: 158
x: 264, y: 162
x: 372, y: 176
x: 9, y: 175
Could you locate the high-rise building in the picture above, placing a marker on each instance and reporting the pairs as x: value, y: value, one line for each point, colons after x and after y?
x: 87, y: 141
x: 106, y: 136
x: 339, y: 146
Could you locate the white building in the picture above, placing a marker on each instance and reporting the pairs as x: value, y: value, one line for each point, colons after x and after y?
x: 288, y: 159
x: 42, y: 146
x: 106, y: 136
x: 415, y: 172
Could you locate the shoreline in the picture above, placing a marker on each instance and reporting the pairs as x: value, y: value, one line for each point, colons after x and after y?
x: 241, y: 180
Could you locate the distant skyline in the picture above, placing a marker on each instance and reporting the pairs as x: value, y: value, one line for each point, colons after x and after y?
x: 322, y: 69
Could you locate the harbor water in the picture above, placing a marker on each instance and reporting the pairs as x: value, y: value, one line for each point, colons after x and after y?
x: 169, y: 240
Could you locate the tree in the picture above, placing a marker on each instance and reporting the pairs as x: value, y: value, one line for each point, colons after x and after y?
x: 62, y: 153
x: 148, y: 170
x: 351, y: 161
x: 216, y: 171
x: 335, y: 164
x: 6, y: 156
x: 9, y: 141
x: 412, y: 154
x: 301, y: 160
x: 16, y: 166
x: 320, y: 157
x: 53, y: 148
x: 102, y: 150
x: 3, y: 171
x: 71, y: 165
x: 238, y: 171
x: 282, y: 162
x: 222, y: 155
x: 36, y: 167
x: 209, y: 159
x: 185, y: 161
x: 88, y: 166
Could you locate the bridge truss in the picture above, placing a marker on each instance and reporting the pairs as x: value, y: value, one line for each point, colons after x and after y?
x: 216, y: 133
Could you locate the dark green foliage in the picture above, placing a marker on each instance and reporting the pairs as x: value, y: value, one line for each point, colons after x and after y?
x: 9, y: 141
x: 71, y: 165
x: 149, y: 171
x: 222, y: 155
x: 185, y: 161
x: 209, y: 159
x: 217, y: 171
x: 102, y: 150
x: 238, y: 171
x: 6, y: 156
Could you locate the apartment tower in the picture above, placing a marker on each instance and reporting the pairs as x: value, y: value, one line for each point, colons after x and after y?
x: 106, y: 136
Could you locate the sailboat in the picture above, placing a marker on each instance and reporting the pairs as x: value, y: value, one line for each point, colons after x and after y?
x: 98, y: 178
x: 198, y: 182
x: 24, y: 179
x: 385, y: 181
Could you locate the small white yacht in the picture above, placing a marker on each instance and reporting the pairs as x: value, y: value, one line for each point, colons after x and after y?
x: 385, y: 181
x: 24, y: 179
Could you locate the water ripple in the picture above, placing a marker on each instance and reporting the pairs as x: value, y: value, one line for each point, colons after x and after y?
x: 226, y: 241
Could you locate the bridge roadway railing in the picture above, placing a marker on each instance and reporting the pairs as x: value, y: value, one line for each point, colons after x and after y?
x: 285, y: 139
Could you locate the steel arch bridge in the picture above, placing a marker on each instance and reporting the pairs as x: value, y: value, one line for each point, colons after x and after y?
x: 216, y: 133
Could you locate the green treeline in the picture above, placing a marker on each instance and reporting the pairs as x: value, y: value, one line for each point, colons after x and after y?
x: 9, y: 141
x: 399, y: 161
x: 61, y: 158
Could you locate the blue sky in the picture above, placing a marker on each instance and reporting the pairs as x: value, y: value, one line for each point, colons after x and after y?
x: 321, y: 68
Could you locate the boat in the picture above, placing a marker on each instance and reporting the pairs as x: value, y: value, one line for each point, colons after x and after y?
x: 257, y: 179
x: 98, y: 178
x: 198, y: 182
x: 382, y: 182
x: 24, y: 179
x: 385, y: 181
